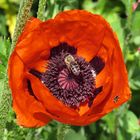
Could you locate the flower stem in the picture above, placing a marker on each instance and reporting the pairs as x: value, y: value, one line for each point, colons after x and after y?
x: 5, y: 100
x: 130, y: 13
x: 22, y: 17
x: 5, y: 103
x: 41, y: 9
x: 62, y: 129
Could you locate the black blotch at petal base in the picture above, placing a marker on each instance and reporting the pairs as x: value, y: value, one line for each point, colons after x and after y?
x: 36, y: 73
x: 96, y: 92
x: 30, y: 89
x: 62, y: 47
x: 97, y: 63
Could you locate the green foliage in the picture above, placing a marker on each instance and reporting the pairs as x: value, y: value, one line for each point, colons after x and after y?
x: 72, y: 135
x: 121, y: 124
x: 56, y: 6
x: 5, y: 95
x: 41, y: 9
x: 3, y: 30
x: 4, y: 54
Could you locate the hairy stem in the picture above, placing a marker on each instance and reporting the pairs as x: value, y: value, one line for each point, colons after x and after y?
x: 41, y: 9
x: 5, y: 101
x: 22, y: 17
x: 130, y: 14
x: 5, y: 104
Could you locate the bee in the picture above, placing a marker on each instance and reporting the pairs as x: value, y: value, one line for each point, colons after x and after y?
x: 72, y: 64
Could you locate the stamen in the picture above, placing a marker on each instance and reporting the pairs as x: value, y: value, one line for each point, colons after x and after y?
x: 69, y: 77
x: 71, y: 89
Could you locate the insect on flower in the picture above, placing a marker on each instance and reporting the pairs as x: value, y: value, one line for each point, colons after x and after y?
x: 72, y: 64
x: 68, y: 69
x: 116, y: 98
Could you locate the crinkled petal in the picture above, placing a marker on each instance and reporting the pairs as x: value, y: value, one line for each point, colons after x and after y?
x: 24, y: 104
x: 85, y: 35
x: 113, y: 78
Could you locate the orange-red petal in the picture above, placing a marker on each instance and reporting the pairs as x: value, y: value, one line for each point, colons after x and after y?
x: 24, y: 104
x: 85, y: 34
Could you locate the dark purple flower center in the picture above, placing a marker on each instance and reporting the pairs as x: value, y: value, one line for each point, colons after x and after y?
x: 70, y: 78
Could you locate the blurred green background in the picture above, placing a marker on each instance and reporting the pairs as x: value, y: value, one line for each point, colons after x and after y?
x: 121, y: 124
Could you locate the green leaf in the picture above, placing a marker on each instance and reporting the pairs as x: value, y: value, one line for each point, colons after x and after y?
x: 4, y: 46
x: 135, y: 83
x: 88, y: 5
x: 92, y: 127
x: 1, y: 86
x: 128, y: 5
x: 103, y: 136
x: 3, y: 60
x: 72, y: 135
x: 2, y: 71
x: 3, y: 28
x: 110, y: 121
x: 137, y: 40
x: 3, y: 4
x: 4, y: 53
x: 136, y: 24
x: 131, y: 122
x: 120, y: 135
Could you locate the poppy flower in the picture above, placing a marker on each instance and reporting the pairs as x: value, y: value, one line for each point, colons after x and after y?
x: 69, y: 69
